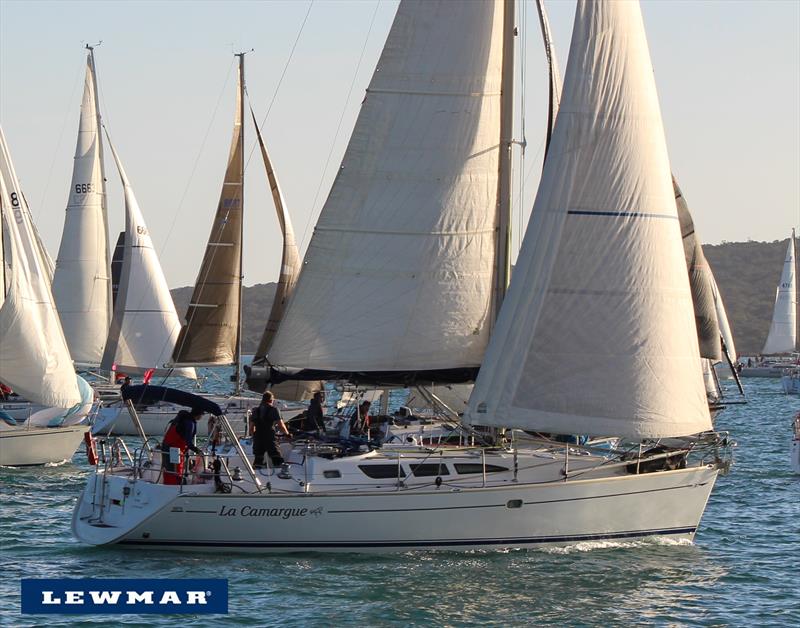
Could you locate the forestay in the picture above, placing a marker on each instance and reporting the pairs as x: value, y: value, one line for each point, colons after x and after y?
x: 145, y: 325
x: 398, y: 274
x: 82, y: 282
x: 34, y: 359
x: 211, y: 332
x: 597, y: 334
x: 782, y: 336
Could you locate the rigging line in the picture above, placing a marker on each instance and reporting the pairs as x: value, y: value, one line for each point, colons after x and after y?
x: 278, y: 86
x: 67, y: 114
x: 312, y: 216
x: 196, y: 162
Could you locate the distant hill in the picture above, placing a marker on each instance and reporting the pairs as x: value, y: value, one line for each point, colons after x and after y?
x: 747, y: 274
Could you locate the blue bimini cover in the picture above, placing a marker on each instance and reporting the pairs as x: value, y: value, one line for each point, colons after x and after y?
x: 145, y: 394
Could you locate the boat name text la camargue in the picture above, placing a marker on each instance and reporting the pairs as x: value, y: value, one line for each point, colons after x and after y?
x: 124, y: 595
x: 282, y: 513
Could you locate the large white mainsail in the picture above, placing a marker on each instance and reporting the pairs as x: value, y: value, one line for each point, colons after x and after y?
x: 782, y: 336
x: 145, y: 325
x: 399, y: 273
x: 82, y: 279
x: 34, y: 359
x: 597, y: 333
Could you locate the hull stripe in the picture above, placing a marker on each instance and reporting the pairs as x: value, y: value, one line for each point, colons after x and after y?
x: 535, y: 540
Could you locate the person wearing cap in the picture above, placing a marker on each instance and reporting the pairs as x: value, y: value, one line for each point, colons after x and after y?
x: 180, y: 435
x: 266, y: 418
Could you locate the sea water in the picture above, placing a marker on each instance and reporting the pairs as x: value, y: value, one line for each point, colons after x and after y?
x: 742, y: 570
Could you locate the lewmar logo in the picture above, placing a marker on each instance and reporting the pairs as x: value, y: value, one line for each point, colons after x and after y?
x: 86, y: 596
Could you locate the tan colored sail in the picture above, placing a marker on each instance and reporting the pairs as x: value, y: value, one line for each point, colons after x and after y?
x: 211, y: 332
x: 290, y: 259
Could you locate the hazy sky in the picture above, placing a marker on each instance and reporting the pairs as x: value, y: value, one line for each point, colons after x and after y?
x: 728, y: 75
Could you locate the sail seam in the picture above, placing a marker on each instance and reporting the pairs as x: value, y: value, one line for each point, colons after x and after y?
x: 583, y: 212
x: 405, y: 233
x: 414, y: 92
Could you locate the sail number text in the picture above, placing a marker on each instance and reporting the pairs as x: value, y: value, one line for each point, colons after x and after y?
x: 83, y: 188
x: 15, y: 205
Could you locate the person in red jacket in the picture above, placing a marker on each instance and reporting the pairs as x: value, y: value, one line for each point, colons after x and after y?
x: 180, y: 435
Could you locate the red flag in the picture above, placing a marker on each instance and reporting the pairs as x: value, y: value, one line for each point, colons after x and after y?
x: 148, y: 374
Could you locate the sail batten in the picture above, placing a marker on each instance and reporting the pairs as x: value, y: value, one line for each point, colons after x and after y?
x: 423, y: 157
x: 782, y: 337
x: 597, y: 332
x: 82, y: 277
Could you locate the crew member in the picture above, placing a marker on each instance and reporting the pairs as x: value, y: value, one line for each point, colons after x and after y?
x: 315, y: 416
x: 180, y: 434
x: 265, y: 420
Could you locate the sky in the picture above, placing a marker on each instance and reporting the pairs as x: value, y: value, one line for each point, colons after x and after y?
x: 727, y: 72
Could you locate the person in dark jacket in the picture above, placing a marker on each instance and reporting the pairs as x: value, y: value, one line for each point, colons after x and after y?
x: 179, y: 435
x: 266, y: 418
x: 315, y: 415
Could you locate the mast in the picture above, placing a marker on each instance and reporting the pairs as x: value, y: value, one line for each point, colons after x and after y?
x: 238, y: 347
x: 503, y: 255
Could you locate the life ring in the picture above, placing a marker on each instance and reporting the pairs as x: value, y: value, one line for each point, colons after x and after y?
x: 91, y: 448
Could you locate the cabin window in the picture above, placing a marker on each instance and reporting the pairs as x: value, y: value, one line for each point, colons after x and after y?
x: 474, y: 467
x: 382, y: 471
x: 330, y: 474
x: 429, y: 470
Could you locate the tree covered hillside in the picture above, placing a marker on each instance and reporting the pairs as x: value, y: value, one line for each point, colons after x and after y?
x: 747, y: 275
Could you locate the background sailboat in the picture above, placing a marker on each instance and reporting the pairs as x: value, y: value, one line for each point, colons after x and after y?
x: 82, y: 279
x: 34, y: 359
x: 145, y: 325
x: 782, y: 337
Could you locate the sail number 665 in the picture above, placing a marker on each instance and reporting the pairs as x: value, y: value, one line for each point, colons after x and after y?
x: 83, y: 188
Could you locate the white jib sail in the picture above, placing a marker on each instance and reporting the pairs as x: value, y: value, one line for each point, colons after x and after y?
x: 34, y: 359
x: 145, y: 325
x: 597, y: 332
x: 82, y: 279
x: 398, y: 274
x: 782, y: 336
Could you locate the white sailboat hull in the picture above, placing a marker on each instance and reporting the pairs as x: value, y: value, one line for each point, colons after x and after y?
x: 791, y: 382
x: 22, y: 447
x: 661, y: 504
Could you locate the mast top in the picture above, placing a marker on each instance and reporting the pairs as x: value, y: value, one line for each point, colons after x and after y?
x: 91, y: 47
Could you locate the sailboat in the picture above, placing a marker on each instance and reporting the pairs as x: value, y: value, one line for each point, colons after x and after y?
x: 34, y: 359
x: 137, y: 331
x: 781, y: 341
x: 211, y: 335
x: 82, y: 281
x: 601, y: 267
